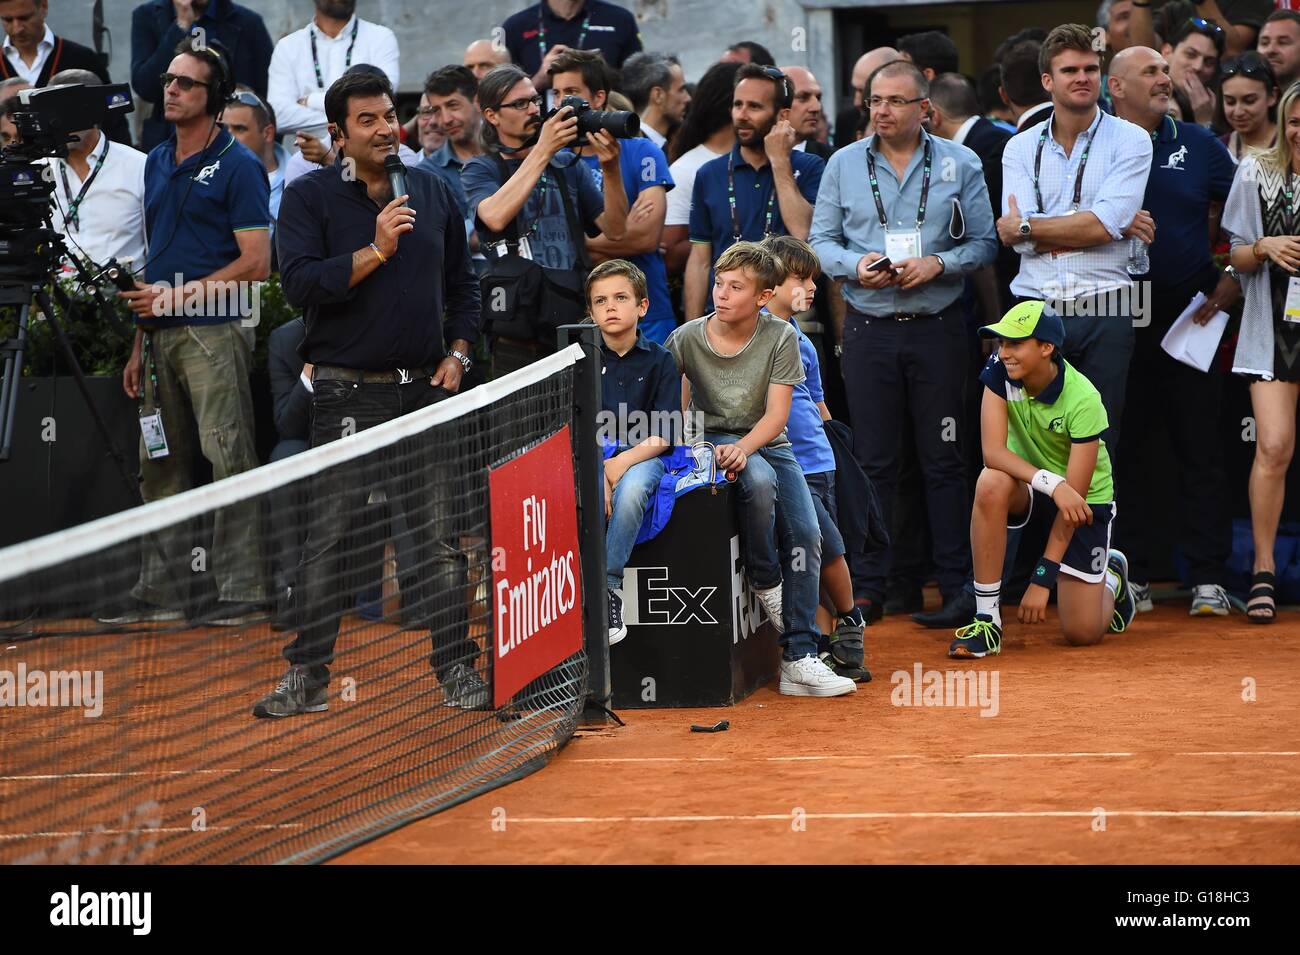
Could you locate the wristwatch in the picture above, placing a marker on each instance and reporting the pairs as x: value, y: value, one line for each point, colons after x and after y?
x: 1024, y: 225
x: 943, y: 266
x: 465, y: 361
x: 1236, y: 276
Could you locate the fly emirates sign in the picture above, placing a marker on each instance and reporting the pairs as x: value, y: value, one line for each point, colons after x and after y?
x: 537, y: 590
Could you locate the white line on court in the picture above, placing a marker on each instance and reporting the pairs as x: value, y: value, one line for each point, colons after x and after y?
x: 839, y: 757
x: 971, y: 814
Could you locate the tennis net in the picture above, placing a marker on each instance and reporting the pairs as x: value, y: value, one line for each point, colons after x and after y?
x: 136, y: 742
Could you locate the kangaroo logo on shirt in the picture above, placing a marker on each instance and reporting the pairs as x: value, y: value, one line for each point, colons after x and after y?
x: 1176, y: 159
x: 1056, y: 425
x: 207, y: 172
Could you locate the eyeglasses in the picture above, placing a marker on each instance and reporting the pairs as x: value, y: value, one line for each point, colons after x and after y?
x: 524, y: 104
x: 186, y: 83
x: 895, y: 102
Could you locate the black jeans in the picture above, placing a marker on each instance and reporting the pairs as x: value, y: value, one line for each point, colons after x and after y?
x: 1166, y: 395
x: 921, y: 365
x: 422, y: 487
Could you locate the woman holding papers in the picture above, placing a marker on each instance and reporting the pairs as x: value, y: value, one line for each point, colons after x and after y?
x: 1263, y: 216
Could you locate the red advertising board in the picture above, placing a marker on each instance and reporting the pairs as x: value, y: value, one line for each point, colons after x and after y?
x: 536, y: 580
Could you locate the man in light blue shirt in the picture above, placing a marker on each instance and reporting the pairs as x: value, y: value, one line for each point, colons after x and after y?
x: 1072, y: 191
x: 920, y: 202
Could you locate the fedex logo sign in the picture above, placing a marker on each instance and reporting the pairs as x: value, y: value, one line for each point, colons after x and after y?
x: 649, y: 599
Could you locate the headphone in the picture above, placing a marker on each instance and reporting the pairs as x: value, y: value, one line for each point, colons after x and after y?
x: 222, y: 89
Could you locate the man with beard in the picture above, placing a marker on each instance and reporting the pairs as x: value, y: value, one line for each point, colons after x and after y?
x: 763, y: 187
x: 390, y: 321
x: 449, y: 95
x: 158, y: 25
x: 655, y: 84
x: 307, y: 61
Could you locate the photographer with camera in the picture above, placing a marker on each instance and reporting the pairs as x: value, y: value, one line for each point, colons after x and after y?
x: 532, y: 209
x: 646, y: 180
x: 207, y: 214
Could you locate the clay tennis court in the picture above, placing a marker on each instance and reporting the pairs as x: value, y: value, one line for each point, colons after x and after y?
x: 1139, y: 750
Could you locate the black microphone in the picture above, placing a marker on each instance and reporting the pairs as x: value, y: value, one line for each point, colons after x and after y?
x: 396, y: 170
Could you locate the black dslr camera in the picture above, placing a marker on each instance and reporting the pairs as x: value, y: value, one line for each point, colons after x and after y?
x: 620, y: 124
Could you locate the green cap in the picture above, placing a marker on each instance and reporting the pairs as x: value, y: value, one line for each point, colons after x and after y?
x: 1027, y: 320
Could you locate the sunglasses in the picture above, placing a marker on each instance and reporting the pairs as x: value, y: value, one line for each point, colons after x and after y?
x: 1253, y: 67
x: 774, y: 73
x: 1208, y: 28
x: 186, y: 83
x: 249, y: 98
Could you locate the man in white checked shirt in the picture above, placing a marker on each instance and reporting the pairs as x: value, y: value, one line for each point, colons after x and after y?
x: 307, y: 61
x: 1072, y: 221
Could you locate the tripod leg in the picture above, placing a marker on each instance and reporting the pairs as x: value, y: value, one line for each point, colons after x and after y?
x: 13, y: 371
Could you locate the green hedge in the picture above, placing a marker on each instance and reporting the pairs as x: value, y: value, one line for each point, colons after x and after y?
x: 101, y: 348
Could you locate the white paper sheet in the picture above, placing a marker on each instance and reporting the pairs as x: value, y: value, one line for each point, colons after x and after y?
x: 1194, y: 344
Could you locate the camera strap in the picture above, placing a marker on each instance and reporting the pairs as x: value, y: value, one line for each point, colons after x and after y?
x: 72, y: 218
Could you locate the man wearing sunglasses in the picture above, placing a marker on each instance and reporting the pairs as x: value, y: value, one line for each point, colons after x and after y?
x: 903, y: 217
x: 1193, y: 59
x: 1240, y: 20
x: 252, y: 122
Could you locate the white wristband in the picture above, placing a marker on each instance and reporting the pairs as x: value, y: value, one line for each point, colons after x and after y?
x: 1046, y: 482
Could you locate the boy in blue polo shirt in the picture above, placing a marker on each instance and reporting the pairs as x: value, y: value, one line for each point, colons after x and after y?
x: 640, y: 387
x: 1044, y: 460
x: 813, y: 451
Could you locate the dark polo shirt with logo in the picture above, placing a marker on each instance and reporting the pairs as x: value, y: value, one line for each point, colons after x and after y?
x: 610, y: 29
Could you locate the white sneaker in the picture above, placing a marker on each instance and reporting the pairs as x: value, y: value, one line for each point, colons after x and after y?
x: 810, y: 677
x: 771, y: 600
x: 1209, y: 600
x: 1142, y: 597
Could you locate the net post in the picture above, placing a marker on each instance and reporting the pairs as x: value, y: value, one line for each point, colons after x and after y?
x: 588, y: 466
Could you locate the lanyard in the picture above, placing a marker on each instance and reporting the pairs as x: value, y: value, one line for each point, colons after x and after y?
x: 1288, y: 210
x: 315, y: 60
x: 541, y: 204
x: 925, y: 187
x: 149, y: 365
x: 731, y: 201
x: 541, y: 29
x: 1083, y: 163
x: 72, y: 218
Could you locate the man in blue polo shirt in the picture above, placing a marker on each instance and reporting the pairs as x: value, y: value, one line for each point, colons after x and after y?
x: 763, y: 187
x: 536, y: 35
x: 1190, y: 170
x: 207, y: 215
x: 646, y: 180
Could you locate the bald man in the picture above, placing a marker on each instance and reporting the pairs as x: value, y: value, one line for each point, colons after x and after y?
x: 481, y: 56
x: 849, y: 118
x: 1191, y: 171
x: 806, y: 111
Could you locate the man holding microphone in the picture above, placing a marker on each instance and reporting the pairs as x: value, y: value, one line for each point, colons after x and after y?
x: 357, y: 258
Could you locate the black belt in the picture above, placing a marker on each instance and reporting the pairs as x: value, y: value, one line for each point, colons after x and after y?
x: 398, y: 376
x: 901, y: 316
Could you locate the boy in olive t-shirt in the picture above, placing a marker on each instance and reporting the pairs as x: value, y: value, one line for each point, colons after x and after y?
x: 739, y: 370
x: 1040, y: 430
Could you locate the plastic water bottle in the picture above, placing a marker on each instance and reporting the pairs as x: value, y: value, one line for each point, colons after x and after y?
x: 1139, y: 262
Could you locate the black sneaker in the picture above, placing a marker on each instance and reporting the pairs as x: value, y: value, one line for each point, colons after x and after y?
x: 846, y: 644
x: 617, y: 628
x: 296, y: 693
x: 138, y: 611
x: 464, y: 688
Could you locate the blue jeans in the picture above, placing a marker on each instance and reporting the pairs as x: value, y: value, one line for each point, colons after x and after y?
x: 631, y: 495
x: 776, y: 508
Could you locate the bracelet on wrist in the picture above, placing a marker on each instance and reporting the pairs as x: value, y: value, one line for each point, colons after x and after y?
x: 1045, y: 572
x: 383, y: 259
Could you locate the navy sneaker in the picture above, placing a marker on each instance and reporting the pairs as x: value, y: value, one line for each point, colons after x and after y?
x: 980, y: 638
x: 1125, y: 603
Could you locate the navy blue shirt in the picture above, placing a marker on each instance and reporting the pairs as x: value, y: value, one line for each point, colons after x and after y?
x: 645, y: 380
x: 644, y: 165
x: 610, y: 29
x: 755, y: 189
x: 192, y: 212
x: 1190, y: 168
x: 393, y: 318
x: 447, y: 165
x: 154, y: 36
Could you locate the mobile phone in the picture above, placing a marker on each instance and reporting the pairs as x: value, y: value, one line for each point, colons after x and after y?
x: 880, y: 265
